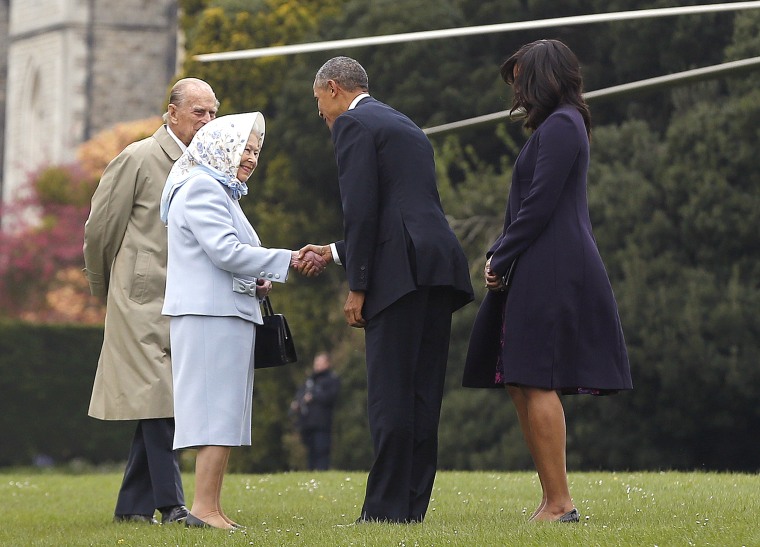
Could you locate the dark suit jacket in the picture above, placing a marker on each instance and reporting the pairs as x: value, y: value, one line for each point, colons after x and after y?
x: 396, y: 237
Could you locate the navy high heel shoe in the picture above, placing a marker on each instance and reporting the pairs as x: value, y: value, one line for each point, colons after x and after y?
x: 570, y: 516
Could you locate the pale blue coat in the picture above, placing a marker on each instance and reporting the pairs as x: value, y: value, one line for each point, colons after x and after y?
x: 211, y: 243
x: 213, y: 248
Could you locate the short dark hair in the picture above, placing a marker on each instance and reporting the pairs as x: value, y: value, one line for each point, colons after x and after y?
x: 345, y: 71
x: 548, y: 75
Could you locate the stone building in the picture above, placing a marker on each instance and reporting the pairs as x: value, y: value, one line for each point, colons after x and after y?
x: 3, y: 77
x: 71, y: 68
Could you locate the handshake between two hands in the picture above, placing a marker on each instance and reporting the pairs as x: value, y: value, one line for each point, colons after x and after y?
x: 311, y: 260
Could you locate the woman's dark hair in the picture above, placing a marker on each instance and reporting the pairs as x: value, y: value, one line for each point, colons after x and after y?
x: 548, y: 75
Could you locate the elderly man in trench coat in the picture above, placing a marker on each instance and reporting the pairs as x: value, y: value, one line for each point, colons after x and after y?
x: 125, y: 251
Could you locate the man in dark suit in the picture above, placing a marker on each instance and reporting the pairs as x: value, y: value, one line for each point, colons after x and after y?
x: 407, y: 274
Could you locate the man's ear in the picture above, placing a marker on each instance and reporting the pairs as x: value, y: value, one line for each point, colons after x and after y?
x: 172, y: 110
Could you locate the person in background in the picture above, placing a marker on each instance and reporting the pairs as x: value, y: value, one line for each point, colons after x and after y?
x: 313, y: 409
x: 217, y: 271
x: 549, y: 323
x: 125, y: 261
x: 407, y: 274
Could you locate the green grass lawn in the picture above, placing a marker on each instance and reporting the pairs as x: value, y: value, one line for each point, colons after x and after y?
x: 468, y: 509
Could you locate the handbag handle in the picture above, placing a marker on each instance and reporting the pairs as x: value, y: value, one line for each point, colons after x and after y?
x: 267, y: 305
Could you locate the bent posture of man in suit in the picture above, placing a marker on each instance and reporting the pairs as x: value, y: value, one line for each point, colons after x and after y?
x: 125, y: 258
x: 407, y: 274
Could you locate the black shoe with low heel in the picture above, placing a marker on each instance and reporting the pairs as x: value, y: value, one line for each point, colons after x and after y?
x: 570, y: 516
x: 175, y: 514
x: 194, y: 522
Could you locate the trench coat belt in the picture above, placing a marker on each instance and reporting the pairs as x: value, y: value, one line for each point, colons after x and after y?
x: 244, y: 287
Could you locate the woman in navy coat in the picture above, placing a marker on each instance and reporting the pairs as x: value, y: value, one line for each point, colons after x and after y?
x: 549, y: 323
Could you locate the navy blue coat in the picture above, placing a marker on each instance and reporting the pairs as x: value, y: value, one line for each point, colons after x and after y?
x: 396, y: 237
x: 560, y: 327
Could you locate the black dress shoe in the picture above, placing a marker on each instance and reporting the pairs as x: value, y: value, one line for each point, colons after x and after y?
x: 370, y: 520
x: 191, y: 521
x: 570, y: 516
x: 147, y: 519
x: 178, y: 513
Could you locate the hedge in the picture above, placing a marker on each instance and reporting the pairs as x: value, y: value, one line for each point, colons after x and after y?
x: 46, y: 375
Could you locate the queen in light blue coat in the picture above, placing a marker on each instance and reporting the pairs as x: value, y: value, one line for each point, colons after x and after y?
x: 216, y: 271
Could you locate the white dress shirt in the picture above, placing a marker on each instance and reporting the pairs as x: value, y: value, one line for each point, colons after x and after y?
x: 333, y: 248
x: 176, y: 139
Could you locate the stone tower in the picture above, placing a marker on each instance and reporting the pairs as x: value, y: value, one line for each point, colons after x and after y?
x: 75, y: 67
x: 4, y: 13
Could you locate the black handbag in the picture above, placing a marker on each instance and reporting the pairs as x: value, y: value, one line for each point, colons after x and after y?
x: 274, y: 343
x: 507, y: 279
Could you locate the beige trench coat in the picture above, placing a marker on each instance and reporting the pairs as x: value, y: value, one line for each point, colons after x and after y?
x: 125, y: 259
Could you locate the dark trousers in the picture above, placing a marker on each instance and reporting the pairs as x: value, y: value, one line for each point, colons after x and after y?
x: 151, y: 479
x: 407, y: 349
x: 317, y: 442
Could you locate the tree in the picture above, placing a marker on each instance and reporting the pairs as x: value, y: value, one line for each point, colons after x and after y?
x: 673, y: 193
x: 676, y: 219
x: 41, y: 247
x: 286, y: 210
x: 41, y: 255
x: 670, y: 211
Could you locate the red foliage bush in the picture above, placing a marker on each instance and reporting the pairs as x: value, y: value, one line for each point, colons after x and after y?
x: 40, y: 243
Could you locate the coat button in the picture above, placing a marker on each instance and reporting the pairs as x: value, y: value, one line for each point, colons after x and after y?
x: 277, y: 276
x: 270, y: 276
x: 262, y: 274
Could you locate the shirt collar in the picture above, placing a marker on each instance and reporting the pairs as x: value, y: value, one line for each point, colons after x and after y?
x: 176, y: 139
x: 357, y: 99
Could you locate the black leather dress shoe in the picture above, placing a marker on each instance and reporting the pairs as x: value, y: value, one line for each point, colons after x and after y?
x: 191, y: 521
x: 570, y: 516
x: 147, y: 519
x: 178, y: 513
x: 369, y: 520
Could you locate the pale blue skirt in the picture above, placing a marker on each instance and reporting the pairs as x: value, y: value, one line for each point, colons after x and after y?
x: 212, y: 368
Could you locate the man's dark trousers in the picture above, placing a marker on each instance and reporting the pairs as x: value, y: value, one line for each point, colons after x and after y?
x: 152, y: 479
x: 407, y: 349
x: 317, y: 443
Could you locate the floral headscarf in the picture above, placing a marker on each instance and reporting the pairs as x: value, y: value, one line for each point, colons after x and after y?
x: 215, y: 150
